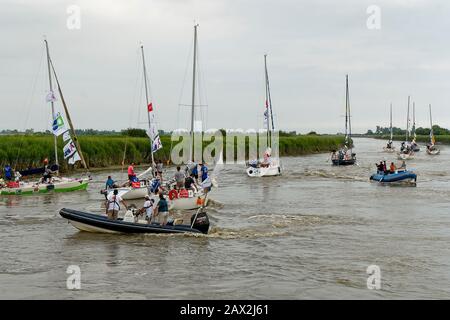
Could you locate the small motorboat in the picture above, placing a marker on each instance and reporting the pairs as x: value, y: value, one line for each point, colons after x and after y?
x: 433, y: 150
x: 343, y: 157
x: 91, y: 222
x: 58, y: 184
x: 400, y: 176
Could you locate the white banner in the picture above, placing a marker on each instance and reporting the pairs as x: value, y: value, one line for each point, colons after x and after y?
x: 69, y: 149
x: 156, y: 144
x: 58, y: 125
x: 66, y: 136
x: 75, y: 158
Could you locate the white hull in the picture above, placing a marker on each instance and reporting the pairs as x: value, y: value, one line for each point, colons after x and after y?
x: 129, y: 193
x: 433, y: 152
x: 85, y: 227
x: 189, y: 203
x: 264, y: 172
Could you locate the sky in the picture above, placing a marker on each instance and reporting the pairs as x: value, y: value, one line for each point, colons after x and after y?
x: 311, y: 46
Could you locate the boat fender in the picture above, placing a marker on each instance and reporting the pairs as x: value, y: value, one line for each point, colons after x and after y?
x: 199, y: 201
x: 173, y: 194
x: 190, y: 193
x: 183, y: 193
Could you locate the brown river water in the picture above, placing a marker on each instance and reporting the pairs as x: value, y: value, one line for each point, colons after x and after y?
x: 308, y: 234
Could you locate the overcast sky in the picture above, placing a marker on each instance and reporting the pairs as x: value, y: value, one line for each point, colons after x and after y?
x: 311, y: 45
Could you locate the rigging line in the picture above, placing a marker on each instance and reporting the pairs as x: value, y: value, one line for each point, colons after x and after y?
x: 28, y: 105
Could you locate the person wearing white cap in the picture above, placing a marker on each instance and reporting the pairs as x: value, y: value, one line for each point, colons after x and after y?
x: 148, y: 208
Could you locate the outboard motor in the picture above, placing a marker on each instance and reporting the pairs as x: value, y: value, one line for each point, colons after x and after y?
x: 201, y: 222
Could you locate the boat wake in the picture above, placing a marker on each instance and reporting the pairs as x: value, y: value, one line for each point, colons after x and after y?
x: 330, y: 175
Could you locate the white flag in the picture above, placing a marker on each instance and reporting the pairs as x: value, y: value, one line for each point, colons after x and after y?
x: 75, y: 158
x: 69, y: 149
x: 156, y: 144
x: 50, y: 97
x: 66, y: 136
x: 58, y: 125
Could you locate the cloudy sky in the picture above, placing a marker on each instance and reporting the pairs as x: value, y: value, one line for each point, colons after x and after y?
x: 311, y: 45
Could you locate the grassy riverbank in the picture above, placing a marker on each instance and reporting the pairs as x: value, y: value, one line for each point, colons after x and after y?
x: 22, y: 151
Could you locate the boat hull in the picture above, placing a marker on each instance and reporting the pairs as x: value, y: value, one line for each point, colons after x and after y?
x: 343, y: 162
x: 389, y: 150
x: 90, y: 222
x: 407, y: 177
x: 264, y: 172
x: 434, y: 152
x: 129, y: 193
x: 66, y: 185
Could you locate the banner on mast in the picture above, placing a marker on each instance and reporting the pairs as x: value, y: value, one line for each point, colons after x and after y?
x: 76, y: 157
x: 156, y: 145
x: 69, y: 149
x: 58, y: 125
x: 50, y: 97
x: 66, y: 136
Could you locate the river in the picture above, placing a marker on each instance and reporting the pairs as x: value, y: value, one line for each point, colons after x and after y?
x: 309, y: 234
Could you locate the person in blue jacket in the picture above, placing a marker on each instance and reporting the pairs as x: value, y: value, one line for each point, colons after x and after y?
x: 8, y: 173
x: 204, y: 171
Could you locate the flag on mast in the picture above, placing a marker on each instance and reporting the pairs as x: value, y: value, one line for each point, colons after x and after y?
x: 58, y: 125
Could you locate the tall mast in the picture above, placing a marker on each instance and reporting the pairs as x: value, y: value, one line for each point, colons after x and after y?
x: 55, y: 138
x: 193, y: 93
x: 147, y: 101
x: 267, y: 100
x: 348, y: 126
x: 69, y: 120
x: 431, y: 126
x: 391, y: 123
x: 413, y: 129
x: 269, y: 97
x: 407, y: 121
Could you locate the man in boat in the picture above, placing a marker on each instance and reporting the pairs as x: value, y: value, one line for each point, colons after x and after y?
x: 389, y: 144
x: 392, y: 168
x: 189, y: 183
x: 131, y: 173
x: 403, y: 166
x: 162, y: 210
x: 204, y: 171
x: 8, y: 172
x: 179, y: 178
x: 148, y: 208
x: 47, y: 176
x: 110, y: 184
x: 113, y: 205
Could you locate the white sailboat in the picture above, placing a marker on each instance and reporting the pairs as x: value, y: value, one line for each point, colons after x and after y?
x: 189, y: 199
x: 141, y: 189
x: 431, y: 147
x: 389, y: 147
x: 406, y: 150
x: 72, y: 149
x: 414, y: 145
x: 271, y: 165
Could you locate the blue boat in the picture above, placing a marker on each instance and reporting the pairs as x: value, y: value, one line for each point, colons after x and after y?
x: 405, y: 176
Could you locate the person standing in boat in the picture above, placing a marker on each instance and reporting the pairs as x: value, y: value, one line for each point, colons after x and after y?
x: 179, y: 178
x: 47, y: 176
x: 110, y: 184
x: 8, y: 172
x: 204, y: 171
x: 148, y: 208
x: 162, y: 210
x: 113, y: 205
x: 189, y: 183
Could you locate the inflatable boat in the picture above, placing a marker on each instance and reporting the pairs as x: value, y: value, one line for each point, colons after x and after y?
x: 397, y: 177
x: 90, y: 222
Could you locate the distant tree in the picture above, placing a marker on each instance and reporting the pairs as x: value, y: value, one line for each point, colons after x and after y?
x: 312, y: 133
x: 134, y: 132
x: 369, y: 132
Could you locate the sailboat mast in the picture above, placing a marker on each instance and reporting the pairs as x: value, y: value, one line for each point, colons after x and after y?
x: 55, y: 138
x: 407, y: 121
x: 348, y: 126
x: 147, y: 102
x: 269, y: 97
x: 413, y: 129
x: 267, y: 100
x: 391, y: 123
x: 431, y: 126
x: 69, y: 120
x: 193, y: 93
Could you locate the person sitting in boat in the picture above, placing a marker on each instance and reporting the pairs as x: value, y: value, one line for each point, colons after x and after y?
x: 179, y: 178
x: 113, y: 205
x: 389, y: 144
x: 189, y: 183
x: 110, y: 184
x: 131, y: 173
x: 155, y: 186
x: 204, y: 171
x: 392, y: 168
x: 8, y: 172
x: 47, y: 176
x: 402, y: 167
x: 162, y: 210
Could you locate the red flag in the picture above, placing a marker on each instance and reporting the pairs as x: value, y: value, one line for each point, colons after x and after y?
x: 150, y: 107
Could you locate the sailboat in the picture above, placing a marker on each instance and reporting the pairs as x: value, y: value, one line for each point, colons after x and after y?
x: 140, y: 188
x: 345, y: 156
x: 431, y: 147
x: 270, y: 166
x: 389, y: 147
x: 406, y: 150
x: 189, y: 199
x: 72, y: 150
x: 414, y: 145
